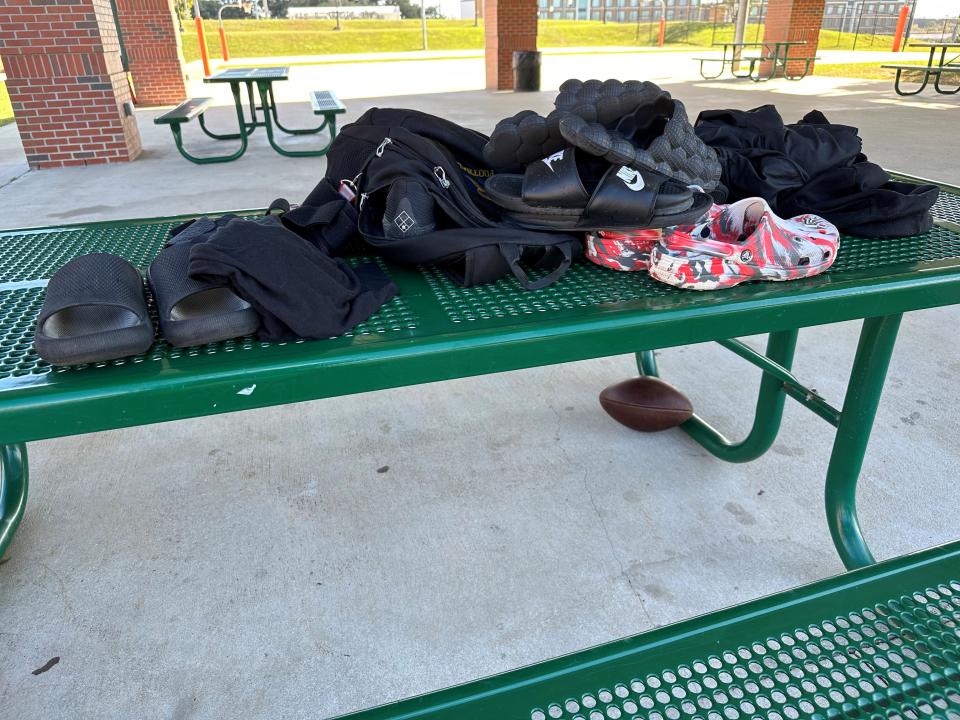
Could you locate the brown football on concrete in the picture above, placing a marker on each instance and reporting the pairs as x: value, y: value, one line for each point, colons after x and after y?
x: 647, y: 404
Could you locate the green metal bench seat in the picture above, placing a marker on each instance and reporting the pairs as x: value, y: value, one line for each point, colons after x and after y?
x: 435, y: 330
x: 881, y: 643
x: 195, y: 108
x: 184, y: 112
x: 326, y: 102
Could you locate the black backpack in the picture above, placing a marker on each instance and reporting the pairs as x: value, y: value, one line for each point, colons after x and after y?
x: 471, y: 242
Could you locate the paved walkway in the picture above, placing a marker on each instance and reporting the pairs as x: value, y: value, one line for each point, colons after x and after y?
x: 302, y: 561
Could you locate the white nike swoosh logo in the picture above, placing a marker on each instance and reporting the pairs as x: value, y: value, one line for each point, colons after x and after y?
x: 631, y: 178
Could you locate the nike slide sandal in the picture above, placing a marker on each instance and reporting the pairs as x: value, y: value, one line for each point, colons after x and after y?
x: 571, y: 191
x: 656, y: 135
x: 94, y: 310
x: 627, y: 123
x: 194, y: 312
x: 527, y: 136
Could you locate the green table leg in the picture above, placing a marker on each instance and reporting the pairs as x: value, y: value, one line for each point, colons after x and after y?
x: 247, y: 130
x: 264, y: 88
x: 926, y: 78
x: 877, y: 339
x: 291, y: 131
x: 773, y: 68
x: 242, y: 136
x: 769, y: 410
x: 13, y: 491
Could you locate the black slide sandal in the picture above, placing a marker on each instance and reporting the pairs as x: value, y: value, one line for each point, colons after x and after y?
x: 527, y: 136
x: 94, y: 310
x: 570, y: 192
x: 657, y: 135
x: 193, y: 312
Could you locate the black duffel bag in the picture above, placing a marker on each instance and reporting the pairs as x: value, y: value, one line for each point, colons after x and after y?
x: 440, y: 166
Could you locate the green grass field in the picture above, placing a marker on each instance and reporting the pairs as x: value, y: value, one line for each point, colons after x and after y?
x: 6, y: 110
x: 281, y: 38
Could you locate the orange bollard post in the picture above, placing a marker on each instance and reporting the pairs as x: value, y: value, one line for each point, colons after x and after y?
x: 203, y: 45
x: 663, y: 30
x: 901, y: 24
x: 223, y: 44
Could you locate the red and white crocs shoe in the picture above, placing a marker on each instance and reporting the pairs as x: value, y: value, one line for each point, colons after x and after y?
x: 622, y: 250
x: 742, y: 242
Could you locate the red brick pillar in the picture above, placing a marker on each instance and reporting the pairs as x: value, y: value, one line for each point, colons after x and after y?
x: 508, y: 25
x: 66, y: 83
x: 151, y: 36
x: 794, y: 20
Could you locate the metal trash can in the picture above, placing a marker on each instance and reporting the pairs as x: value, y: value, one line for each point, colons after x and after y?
x: 526, y: 70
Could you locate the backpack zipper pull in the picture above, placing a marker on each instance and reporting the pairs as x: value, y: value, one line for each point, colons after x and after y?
x: 441, y: 177
x: 386, y: 141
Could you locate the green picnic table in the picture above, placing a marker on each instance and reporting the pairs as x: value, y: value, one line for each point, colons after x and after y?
x: 937, y: 68
x: 775, y: 53
x: 243, y: 83
x: 879, y: 641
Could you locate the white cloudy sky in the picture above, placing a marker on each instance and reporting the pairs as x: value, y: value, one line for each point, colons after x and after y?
x: 938, y: 8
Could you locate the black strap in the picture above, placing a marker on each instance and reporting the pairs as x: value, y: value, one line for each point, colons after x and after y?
x: 327, y: 218
x: 554, y: 181
x: 625, y: 192
x: 512, y: 254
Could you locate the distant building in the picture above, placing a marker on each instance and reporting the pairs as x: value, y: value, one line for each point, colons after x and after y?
x: 871, y: 18
x: 376, y: 12
x: 625, y: 10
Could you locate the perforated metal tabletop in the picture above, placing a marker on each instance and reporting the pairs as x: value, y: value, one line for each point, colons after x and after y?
x: 250, y: 74
x: 608, y: 312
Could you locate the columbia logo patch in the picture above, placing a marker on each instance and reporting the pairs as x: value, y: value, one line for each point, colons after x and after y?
x: 404, y: 221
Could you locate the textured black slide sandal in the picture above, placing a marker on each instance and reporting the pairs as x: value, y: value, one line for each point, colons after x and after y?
x: 605, y: 101
x: 657, y: 135
x: 94, y: 310
x: 523, y: 138
x: 192, y: 312
x: 527, y: 136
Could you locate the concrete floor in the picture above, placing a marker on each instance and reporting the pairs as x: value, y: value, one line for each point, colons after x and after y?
x: 317, y: 558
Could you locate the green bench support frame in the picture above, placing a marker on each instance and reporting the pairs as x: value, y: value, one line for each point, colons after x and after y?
x: 880, y: 643
x: 779, y: 62
x: 754, y: 62
x: 195, y: 108
x: 267, y: 100
x: 434, y: 330
x: 935, y: 71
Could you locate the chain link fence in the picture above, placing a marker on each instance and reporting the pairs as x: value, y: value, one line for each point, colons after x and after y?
x: 853, y: 23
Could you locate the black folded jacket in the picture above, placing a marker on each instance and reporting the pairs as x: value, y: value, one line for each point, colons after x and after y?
x: 813, y: 166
